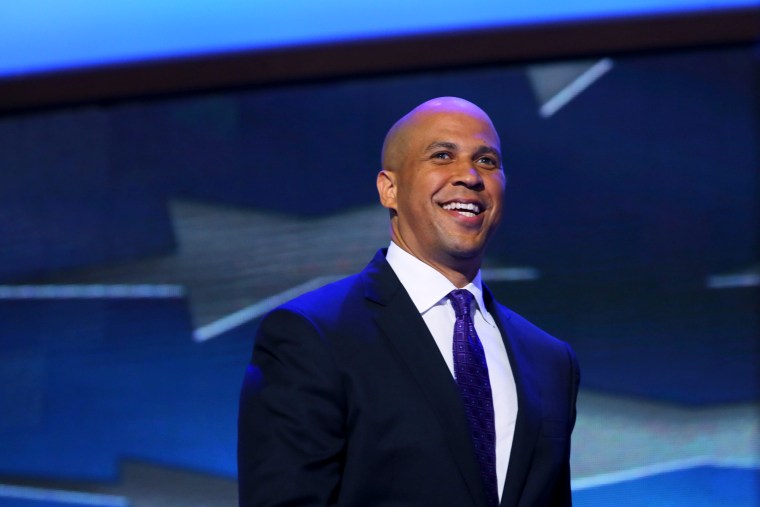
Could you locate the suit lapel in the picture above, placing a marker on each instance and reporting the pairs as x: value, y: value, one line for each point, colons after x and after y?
x: 528, y: 403
x: 408, y: 335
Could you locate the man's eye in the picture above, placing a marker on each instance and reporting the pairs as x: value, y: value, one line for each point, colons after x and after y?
x: 442, y: 155
x: 487, y: 161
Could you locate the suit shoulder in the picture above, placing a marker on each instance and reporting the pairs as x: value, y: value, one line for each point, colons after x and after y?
x: 325, y: 301
x: 551, y: 357
x: 521, y: 328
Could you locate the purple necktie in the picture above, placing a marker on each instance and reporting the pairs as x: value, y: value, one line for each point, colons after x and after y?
x: 471, y: 373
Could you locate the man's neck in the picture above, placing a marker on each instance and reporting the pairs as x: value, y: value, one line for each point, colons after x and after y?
x: 459, y: 272
x: 459, y: 278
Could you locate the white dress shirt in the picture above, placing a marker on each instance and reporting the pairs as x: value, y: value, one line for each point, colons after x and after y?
x: 428, y: 289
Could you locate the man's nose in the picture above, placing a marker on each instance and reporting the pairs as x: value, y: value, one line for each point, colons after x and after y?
x: 468, y: 175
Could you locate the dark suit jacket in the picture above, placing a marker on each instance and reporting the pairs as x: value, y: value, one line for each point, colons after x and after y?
x: 348, y: 402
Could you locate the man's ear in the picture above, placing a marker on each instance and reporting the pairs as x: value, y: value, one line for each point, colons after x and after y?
x: 386, y: 188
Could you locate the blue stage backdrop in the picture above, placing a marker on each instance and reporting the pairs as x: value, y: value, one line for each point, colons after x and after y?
x: 140, y: 243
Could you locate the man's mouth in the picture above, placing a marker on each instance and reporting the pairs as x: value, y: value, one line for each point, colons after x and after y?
x: 467, y: 209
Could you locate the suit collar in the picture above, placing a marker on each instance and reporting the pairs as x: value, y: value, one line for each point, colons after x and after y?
x: 408, y: 335
x: 426, y: 285
x: 528, y: 403
x: 379, y: 281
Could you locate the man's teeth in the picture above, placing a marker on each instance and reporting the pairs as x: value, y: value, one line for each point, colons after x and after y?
x: 466, y: 209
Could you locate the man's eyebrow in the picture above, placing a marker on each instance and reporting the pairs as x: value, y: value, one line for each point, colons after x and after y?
x: 483, y: 150
x: 479, y: 152
x: 441, y: 144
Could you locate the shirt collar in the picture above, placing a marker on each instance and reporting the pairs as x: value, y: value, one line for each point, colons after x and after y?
x: 425, y: 285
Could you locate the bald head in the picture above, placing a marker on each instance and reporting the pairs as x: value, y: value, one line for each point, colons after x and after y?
x: 397, y: 139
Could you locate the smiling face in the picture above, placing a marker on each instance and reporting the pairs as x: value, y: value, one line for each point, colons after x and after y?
x: 443, y: 180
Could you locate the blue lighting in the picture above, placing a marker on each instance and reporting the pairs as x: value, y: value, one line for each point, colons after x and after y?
x: 44, y: 35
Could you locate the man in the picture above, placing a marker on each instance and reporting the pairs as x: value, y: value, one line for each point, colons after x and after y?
x: 391, y: 387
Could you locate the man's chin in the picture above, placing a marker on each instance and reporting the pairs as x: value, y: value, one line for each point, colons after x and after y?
x: 465, y: 253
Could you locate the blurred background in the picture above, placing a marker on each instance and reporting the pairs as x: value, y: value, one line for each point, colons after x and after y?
x: 171, y: 171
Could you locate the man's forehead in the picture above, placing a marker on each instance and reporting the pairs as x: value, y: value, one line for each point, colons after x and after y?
x: 456, y: 128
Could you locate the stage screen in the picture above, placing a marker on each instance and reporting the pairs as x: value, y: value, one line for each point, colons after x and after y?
x: 49, y: 35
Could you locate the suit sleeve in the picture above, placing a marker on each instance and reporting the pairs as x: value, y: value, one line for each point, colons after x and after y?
x: 291, y: 425
x: 563, y: 494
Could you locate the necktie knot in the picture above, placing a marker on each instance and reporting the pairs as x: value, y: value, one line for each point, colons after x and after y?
x: 461, y: 301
